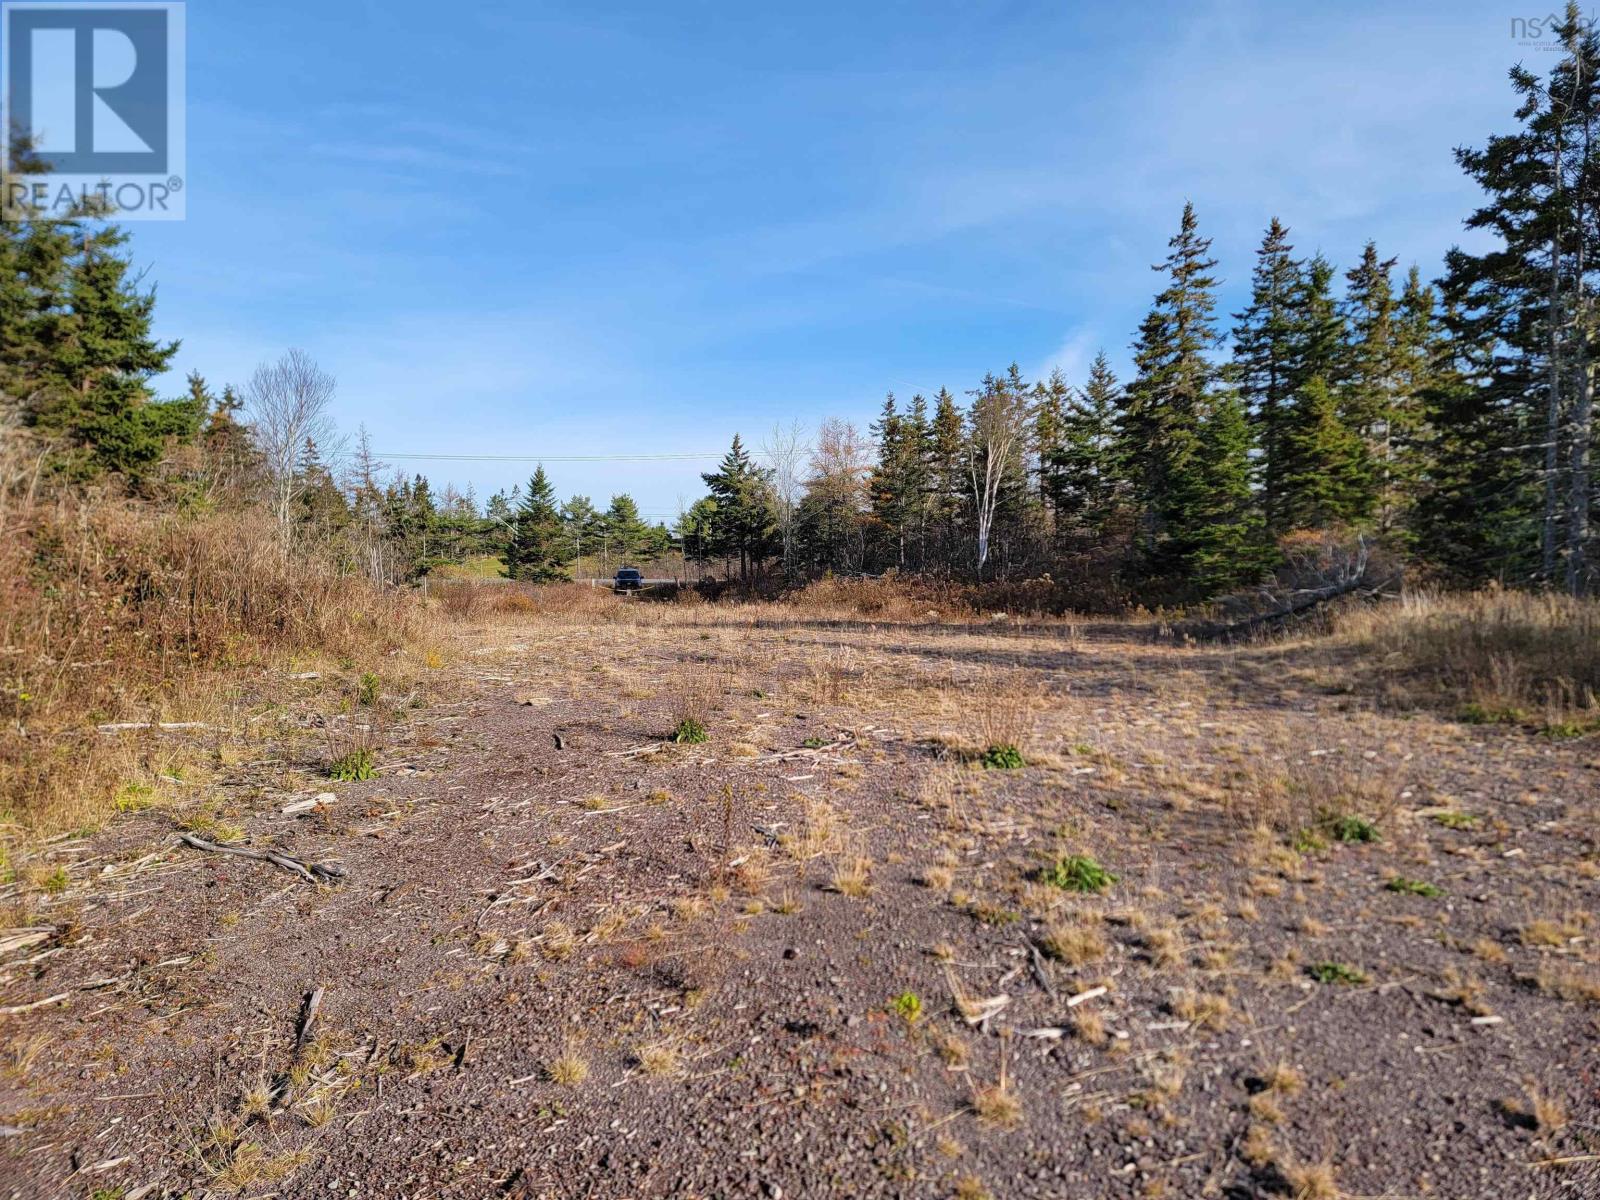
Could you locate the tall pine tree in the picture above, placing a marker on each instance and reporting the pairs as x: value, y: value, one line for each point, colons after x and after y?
x: 1184, y: 438
x: 743, y: 523
x: 1082, y: 473
x: 539, y: 550
x: 1266, y: 365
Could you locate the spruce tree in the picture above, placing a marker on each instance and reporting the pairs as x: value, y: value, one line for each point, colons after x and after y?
x: 695, y: 531
x: 625, y: 531
x: 1051, y: 399
x: 1418, y: 348
x: 947, y: 484
x: 1324, y: 479
x: 916, y: 452
x: 1222, y: 538
x: 1082, y: 472
x: 100, y: 358
x: 743, y: 523
x: 1319, y: 327
x: 1184, y: 439
x: 1530, y: 296
x: 1266, y: 365
x: 583, y: 524
x: 889, y: 490
x: 539, y: 552
x: 1477, y: 508
x: 1370, y: 393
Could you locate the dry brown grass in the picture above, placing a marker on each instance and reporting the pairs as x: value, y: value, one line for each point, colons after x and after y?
x: 852, y: 876
x: 1508, y: 652
x: 1002, y: 712
x: 568, y: 1069
x: 1312, y: 1181
x: 113, y: 611
x: 660, y: 1058
x: 1204, y: 1010
x: 504, y: 600
x: 1074, y: 942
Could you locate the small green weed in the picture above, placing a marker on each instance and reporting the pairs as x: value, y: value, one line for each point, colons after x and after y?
x: 353, y: 767
x: 690, y: 732
x: 1349, y: 828
x: 1309, y: 841
x: 56, y: 882
x: 1003, y: 758
x: 1458, y: 820
x: 1413, y: 887
x: 369, y: 689
x: 1080, y: 873
x: 1336, y: 972
x: 907, y: 1005
x: 1562, y: 730
x: 1474, y: 713
x: 813, y: 743
x: 134, y: 797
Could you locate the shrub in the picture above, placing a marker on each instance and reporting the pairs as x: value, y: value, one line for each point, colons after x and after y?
x: 157, y: 613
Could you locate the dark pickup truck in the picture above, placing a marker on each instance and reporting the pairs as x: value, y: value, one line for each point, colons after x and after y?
x: 628, y: 580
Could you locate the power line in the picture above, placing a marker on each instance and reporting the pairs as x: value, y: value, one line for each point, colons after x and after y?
x: 566, y: 457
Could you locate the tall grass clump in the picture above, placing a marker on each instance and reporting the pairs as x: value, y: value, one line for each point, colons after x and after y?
x: 1503, y: 653
x: 485, y: 600
x: 1002, y: 717
x: 115, y: 611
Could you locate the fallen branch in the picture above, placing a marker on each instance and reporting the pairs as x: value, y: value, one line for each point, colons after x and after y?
x: 307, y: 1018
x: 14, y: 1009
x: 163, y: 726
x: 1040, y: 974
x: 21, y: 939
x: 310, y: 872
x: 1303, y: 602
x: 652, y: 748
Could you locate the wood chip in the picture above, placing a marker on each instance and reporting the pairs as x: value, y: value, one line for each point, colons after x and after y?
x: 14, y: 1009
x: 21, y: 939
x: 306, y: 805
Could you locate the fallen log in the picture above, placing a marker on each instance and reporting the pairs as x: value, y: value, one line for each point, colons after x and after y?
x: 1297, y: 606
x: 309, y: 871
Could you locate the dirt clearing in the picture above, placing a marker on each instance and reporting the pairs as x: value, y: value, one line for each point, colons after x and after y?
x: 933, y: 910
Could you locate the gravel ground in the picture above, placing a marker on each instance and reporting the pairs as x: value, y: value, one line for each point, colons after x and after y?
x: 825, y: 953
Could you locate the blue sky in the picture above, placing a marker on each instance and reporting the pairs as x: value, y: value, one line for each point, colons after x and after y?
x: 521, y: 228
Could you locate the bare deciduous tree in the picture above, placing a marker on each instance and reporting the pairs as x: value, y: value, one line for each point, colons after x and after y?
x: 836, y: 494
x: 785, y: 451
x: 287, y: 404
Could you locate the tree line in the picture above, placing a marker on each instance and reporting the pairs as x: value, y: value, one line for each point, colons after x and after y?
x: 1449, y: 422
